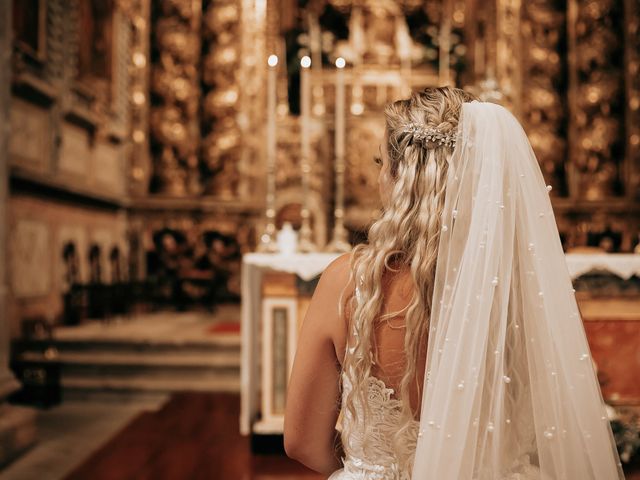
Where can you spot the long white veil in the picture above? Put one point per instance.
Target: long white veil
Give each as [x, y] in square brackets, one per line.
[510, 390]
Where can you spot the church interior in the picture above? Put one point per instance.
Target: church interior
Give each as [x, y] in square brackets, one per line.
[175, 175]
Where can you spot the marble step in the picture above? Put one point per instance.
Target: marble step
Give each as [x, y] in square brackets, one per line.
[116, 374]
[219, 343]
[150, 359]
[190, 375]
[143, 356]
[144, 384]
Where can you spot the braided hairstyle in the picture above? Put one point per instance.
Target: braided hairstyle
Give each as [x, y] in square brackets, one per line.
[420, 130]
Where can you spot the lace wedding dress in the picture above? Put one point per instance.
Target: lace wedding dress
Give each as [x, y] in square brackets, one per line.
[375, 459]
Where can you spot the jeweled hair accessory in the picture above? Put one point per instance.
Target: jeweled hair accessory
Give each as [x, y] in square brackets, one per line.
[431, 137]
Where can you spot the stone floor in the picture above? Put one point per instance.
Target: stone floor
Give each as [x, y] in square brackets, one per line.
[70, 432]
[144, 346]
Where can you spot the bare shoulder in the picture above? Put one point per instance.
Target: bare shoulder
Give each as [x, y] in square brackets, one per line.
[338, 269]
[335, 280]
[332, 287]
[333, 291]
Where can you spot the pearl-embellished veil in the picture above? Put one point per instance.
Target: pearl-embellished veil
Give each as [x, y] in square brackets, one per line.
[510, 390]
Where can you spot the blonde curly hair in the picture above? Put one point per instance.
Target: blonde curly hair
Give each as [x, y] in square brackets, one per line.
[405, 236]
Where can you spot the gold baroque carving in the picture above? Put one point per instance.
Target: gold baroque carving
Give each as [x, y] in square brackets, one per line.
[543, 105]
[598, 98]
[508, 51]
[221, 146]
[632, 46]
[175, 81]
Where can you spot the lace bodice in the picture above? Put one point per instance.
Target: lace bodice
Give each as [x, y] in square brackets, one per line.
[369, 447]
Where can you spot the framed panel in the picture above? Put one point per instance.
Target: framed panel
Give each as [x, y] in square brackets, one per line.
[279, 340]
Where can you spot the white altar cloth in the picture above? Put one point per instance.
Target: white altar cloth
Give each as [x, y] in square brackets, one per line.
[624, 265]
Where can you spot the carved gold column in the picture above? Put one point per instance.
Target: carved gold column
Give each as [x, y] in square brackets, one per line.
[543, 89]
[632, 81]
[220, 77]
[175, 83]
[596, 98]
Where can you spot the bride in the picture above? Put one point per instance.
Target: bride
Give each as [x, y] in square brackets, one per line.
[451, 343]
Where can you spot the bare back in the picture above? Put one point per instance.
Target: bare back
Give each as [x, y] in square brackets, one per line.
[389, 337]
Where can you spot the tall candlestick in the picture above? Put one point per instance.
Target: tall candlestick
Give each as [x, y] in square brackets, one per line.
[306, 243]
[267, 240]
[340, 108]
[339, 241]
[445, 44]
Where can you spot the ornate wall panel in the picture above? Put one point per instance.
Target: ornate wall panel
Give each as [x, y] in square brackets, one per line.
[30, 141]
[75, 154]
[31, 257]
[58, 25]
[123, 23]
[108, 166]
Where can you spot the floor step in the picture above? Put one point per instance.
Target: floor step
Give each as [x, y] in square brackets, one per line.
[151, 354]
[221, 342]
[148, 359]
[153, 385]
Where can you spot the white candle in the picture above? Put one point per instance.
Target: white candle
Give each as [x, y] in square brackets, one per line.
[339, 108]
[306, 243]
[305, 108]
[267, 240]
[271, 110]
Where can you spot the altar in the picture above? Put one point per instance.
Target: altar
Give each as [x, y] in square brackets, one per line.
[276, 289]
[276, 316]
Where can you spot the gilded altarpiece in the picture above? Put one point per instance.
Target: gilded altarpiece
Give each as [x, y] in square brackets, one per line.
[569, 69]
[206, 102]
